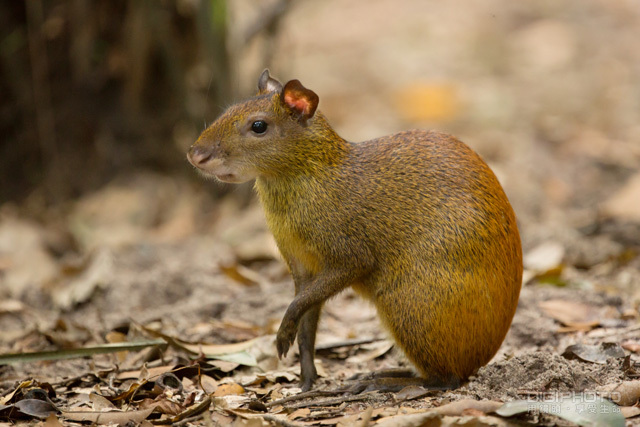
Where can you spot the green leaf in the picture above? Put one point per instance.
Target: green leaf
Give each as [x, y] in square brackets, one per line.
[582, 409]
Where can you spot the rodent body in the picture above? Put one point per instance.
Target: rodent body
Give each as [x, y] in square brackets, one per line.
[415, 222]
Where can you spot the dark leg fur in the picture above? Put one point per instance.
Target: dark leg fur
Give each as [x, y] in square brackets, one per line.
[306, 344]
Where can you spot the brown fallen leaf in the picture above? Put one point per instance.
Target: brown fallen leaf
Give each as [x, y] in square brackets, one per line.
[162, 405]
[473, 412]
[626, 393]
[223, 365]
[240, 273]
[228, 389]
[412, 392]
[632, 346]
[114, 417]
[629, 411]
[231, 401]
[22, 386]
[11, 306]
[36, 408]
[457, 408]
[52, 421]
[594, 353]
[100, 403]
[299, 413]
[572, 314]
[208, 384]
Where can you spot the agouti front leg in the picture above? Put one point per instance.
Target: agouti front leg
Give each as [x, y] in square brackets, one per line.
[322, 287]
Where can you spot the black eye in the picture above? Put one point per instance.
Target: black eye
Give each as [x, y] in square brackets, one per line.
[259, 126]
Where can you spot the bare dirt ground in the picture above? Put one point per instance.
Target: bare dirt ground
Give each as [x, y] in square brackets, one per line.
[548, 94]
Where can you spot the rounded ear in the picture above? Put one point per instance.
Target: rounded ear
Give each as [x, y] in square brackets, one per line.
[267, 84]
[300, 100]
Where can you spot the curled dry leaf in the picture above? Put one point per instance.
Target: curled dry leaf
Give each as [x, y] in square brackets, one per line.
[632, 346]
[167, 383]
[100, 403]
[594, 353]
[36, 407]
[163, 405]
[22, 386]
[626, 393]
[208, 384]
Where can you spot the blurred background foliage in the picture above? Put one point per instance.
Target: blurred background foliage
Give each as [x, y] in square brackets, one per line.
[93, 88]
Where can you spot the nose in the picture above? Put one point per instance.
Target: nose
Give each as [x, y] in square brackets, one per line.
[199, 155]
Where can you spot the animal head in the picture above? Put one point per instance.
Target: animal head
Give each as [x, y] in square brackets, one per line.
[259, 136]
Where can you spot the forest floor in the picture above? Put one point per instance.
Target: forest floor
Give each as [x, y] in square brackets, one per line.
[152, 301]
[163, 262]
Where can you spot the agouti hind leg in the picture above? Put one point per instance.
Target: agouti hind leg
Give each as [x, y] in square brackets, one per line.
[307, 345]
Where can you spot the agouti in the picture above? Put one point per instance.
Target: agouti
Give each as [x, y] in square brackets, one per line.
[415, 222]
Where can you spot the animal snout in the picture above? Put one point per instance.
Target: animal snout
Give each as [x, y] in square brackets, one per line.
[198, 155]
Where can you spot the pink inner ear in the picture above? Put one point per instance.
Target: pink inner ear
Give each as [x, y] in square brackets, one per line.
[299, 104]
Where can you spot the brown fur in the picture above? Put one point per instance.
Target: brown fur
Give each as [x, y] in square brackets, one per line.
[416, 222]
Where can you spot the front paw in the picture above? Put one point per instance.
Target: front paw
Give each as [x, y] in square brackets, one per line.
[285, 337]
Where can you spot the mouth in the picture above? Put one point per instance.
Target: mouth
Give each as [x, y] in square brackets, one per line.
[223, 176]
[221, 173]
[228, 177]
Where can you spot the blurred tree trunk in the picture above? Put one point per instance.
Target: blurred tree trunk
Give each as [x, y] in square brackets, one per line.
[94, 88]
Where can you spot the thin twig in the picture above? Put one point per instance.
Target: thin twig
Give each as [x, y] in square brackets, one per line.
[335, 401]
[347, 343]
[304, 395]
